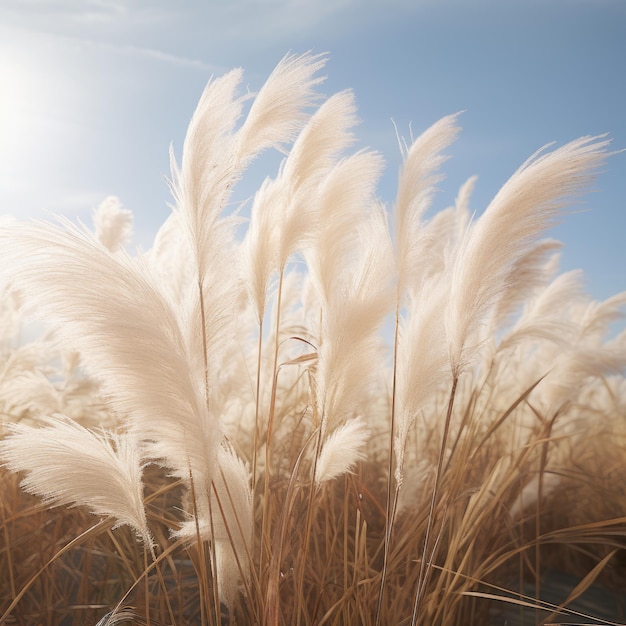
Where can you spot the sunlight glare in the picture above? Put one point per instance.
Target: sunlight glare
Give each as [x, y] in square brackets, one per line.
[17, 125]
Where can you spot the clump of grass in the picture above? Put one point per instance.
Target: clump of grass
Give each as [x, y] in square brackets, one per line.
[242, 448]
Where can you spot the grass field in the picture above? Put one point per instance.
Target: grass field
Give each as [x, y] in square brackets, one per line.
[352, 414]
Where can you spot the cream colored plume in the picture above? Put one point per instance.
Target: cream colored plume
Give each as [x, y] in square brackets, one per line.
[416, 187]
[442, 234]
[525, 206]
[278, 111]
[423, 366]
[283, 213]
[354, 301]
[201, 186]
[215, 154]
[589, 354]
[351, 318]
[343, 448]
[421, 358]
[109, 308]
[113, 223]
[528, 274]
[546, 315]
[345, 198]
[225, 518]
[67, 464]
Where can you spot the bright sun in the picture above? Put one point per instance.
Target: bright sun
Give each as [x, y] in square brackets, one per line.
[33, 128]
[15, 112]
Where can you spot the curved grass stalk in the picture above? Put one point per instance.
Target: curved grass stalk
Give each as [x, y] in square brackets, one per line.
[74, 542]
[257, 405]
[106, 620]
[271, 609]
[309, 521]
[390, 510]
[205, 355]
[270, 425]
[425, 569]
[232, 542]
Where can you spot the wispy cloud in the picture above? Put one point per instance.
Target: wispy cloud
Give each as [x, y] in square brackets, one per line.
[166, 57]
[169, 32]
[22, 34]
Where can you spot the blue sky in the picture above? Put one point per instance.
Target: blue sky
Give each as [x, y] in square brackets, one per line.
[92, 93]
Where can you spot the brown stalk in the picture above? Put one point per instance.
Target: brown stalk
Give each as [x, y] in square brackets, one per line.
[424, 572]
[264, 538]
[74, 542]
[308, 522]
[389, 509]
[272, 598]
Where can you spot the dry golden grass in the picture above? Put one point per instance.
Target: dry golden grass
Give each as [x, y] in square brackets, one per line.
[479, 548]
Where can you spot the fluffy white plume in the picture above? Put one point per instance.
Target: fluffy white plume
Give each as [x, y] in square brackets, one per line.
[214, 155]
[277, 113]
[229, 516]
[423, 362]
[352, 314]
[546, 315]
[109, 308]
[201, 186]
[283, 210]
[170, 258]
[113, 223]
[529, 273]
[259, 248]
[525, 206]
[343, 448]
[588, 355]
[312, 157]
[345, 198]
[597, 316]
[67, 464]
[415, 190]
[462, 202]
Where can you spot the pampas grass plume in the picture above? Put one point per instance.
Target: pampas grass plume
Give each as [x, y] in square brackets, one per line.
[343, 448]
[523, 208]
[108, 306]
[113, 223]
[68, 465]
[416, 187]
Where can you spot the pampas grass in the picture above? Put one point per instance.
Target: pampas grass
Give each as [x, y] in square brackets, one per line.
[66, 464]
[219, 430]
